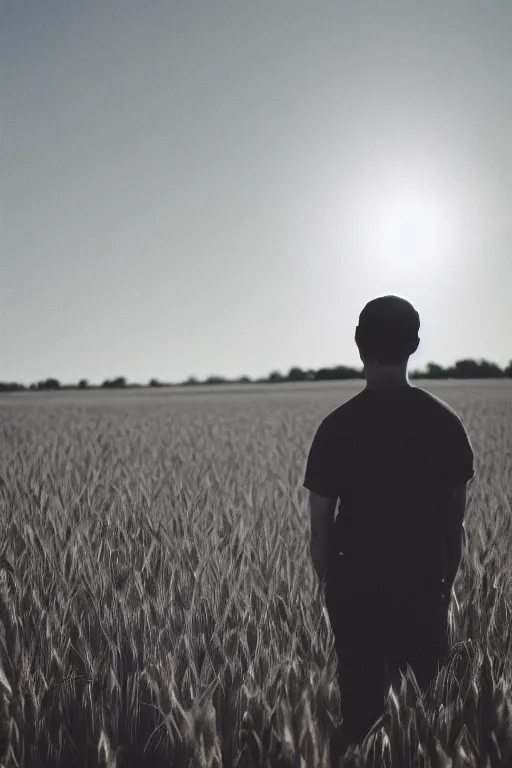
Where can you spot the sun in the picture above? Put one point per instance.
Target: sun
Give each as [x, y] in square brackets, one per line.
[402, 223]
[409, 227]
[395, 219]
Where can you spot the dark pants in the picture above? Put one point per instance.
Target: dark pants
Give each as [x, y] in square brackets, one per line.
[376, 635]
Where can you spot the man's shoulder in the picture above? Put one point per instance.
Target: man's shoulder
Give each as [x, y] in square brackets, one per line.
[358, 408]
[436, 405]
[344, 413]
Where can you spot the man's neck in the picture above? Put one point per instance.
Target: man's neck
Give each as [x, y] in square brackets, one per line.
[388, 387]
[384, 377]
[383, 384]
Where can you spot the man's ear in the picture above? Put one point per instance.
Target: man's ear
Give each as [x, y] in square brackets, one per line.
[415, 346]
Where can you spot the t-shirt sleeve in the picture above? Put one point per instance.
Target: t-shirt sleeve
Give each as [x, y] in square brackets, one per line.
[458, 465]
[322, 467]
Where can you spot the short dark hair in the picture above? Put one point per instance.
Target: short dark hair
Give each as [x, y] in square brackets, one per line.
[388, 330]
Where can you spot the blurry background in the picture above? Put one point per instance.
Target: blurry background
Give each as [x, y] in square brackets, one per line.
[197, 188]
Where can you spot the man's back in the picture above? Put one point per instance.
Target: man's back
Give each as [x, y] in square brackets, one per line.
[392, 457]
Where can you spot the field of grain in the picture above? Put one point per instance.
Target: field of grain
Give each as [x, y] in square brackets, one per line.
[158, 605]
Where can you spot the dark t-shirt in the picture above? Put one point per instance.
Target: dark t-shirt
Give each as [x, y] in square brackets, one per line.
[390, 457]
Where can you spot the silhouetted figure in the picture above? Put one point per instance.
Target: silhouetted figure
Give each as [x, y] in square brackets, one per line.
[395, 459]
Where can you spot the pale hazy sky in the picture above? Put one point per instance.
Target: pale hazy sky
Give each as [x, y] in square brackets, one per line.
[219, 187]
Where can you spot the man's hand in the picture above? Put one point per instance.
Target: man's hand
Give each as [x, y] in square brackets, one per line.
[322, 511]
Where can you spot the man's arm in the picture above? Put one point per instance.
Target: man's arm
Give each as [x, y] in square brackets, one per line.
[455, 534]
[322, 510]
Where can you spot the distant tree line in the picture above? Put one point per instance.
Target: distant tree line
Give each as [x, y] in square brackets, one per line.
[463, 369]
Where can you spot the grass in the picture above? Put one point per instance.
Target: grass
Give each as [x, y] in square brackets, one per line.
[157, 600]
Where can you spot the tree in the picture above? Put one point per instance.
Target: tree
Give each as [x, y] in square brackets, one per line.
[435, 371]
[323, 374]
[118, 383]
[49, 384]
[275, 376]
[154, 383]
[343, 372]
[296, 374]
[464, 369]
[508, 370]
[83, 384]
[471, 369]
[488, 370]
[11, 386]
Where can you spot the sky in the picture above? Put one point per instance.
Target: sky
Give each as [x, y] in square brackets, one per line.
[218, 188]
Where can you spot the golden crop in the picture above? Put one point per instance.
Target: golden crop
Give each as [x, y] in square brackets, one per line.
[158, 604]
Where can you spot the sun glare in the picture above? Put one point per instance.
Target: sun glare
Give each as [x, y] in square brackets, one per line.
[404, 224]
[408, 227]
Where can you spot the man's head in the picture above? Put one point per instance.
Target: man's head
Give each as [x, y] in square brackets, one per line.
[387, 333]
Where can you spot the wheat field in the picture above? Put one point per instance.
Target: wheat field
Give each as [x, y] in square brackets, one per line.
[158, 605]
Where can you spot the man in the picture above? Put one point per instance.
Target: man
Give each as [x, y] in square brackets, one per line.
[396, 460]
